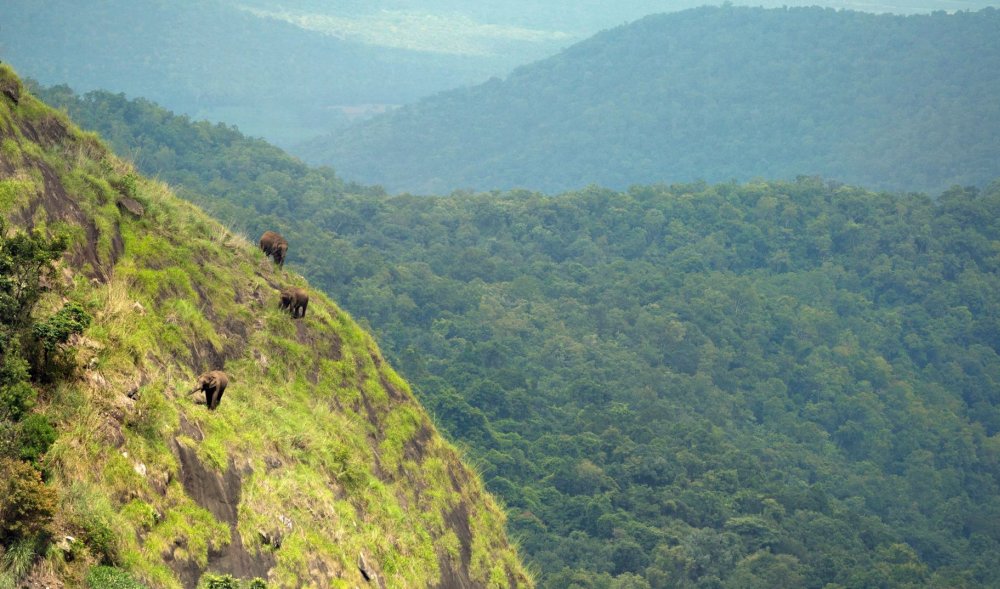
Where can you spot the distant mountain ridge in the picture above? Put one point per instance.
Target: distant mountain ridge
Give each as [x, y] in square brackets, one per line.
[715, 94]
[210, 59]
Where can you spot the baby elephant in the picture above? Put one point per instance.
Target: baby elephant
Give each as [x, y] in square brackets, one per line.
[295, 299]
[214, 383]
[274, 245]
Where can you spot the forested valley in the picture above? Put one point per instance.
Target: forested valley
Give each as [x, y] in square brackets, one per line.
[761, 384]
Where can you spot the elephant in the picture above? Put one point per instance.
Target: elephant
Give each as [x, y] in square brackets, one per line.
[274, 245]
[295, 299]
[214, 383]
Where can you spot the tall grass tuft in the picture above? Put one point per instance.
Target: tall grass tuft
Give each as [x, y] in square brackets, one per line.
[16, 562]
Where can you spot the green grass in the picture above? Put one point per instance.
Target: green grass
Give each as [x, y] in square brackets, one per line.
[15, 193]
[105, 577]
[306, 416]
[10, 150]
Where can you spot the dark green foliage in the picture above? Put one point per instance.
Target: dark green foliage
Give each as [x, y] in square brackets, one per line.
[99, 537]
[26, 503]
[702, 385]
[15, 400]
[719, 93]
[24, 259]
[210, 581]
[125, 184]
[55, 331]
[105, 577]
[36, 435]
[51, 334]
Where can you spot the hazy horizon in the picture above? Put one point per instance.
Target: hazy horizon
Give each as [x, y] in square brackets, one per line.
[459, 27]
[233, 61]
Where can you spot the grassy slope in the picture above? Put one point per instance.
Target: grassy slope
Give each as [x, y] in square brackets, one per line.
[331, 449]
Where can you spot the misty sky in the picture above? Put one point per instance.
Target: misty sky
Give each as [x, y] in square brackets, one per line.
[478, 28]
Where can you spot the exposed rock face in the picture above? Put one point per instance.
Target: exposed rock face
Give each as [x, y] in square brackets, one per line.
[132, 206]
[219, 493]
[11, 89]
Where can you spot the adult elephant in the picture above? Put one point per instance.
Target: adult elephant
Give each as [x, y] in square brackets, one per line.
[274, 245]
[296, 300]
[213, 383]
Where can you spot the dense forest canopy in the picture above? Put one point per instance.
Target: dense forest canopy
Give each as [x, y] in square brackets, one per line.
[713, 94]
[764, 384]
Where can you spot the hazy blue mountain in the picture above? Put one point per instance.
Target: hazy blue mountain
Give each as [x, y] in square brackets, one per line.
[577, 18]
[293, 70]
[715, 94]
[211, 59]
[290, 71]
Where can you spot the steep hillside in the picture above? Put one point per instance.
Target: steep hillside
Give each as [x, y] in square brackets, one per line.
[318, 469]
[713, 94]
[770, 384]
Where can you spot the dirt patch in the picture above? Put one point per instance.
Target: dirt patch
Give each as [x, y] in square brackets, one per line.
[220, 495]
[458, 520]
[235, 338]
[41, 578]
[511, 579]
[187, 571]
[7, 167]
[415, 448]
[51, 131]
[204, 356]
[205, 302]
[451, 578]
[394, 393]
[11, 89]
